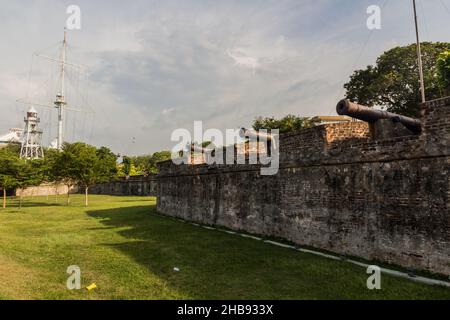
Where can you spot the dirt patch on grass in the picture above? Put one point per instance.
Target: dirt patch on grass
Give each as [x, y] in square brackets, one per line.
[16, 280]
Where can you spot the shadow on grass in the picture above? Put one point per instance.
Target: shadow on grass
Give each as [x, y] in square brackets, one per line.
[15, 205]
[216, 265]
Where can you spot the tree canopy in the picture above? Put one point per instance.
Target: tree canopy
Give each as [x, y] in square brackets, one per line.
[289, 123]
[76, 164]
[443, 71]
[143, 165]
[18, 173]
[9, 170]
[86, 165]
[393, 82]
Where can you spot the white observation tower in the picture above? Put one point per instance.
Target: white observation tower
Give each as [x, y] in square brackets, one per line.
[32, 137]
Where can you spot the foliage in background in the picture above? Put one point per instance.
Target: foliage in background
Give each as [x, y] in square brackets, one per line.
[60, 167]
[394, 81]
[125, 166]
[17, 173]
[142, 165]
[86, 165]
[77, 164]
[105, 168]
[31, 173]
[290, 123]
[443, 71]
[9, 170]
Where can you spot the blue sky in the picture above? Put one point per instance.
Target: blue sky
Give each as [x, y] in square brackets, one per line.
[156, 66]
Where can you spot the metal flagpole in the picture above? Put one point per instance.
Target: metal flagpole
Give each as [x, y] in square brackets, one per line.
[60, 99]
[419, 55]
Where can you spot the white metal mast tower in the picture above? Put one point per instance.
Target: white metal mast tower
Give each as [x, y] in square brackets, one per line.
[32, 137]
[60, 102]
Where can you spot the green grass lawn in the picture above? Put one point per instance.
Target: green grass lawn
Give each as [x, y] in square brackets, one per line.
[129, 251]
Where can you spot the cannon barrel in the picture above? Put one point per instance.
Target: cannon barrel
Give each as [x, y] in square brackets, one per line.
[196, 148]
[253, 134]
[347, 108]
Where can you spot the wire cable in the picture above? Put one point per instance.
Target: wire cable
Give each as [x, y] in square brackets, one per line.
[445, 6]
[427, 30]
[363, 48]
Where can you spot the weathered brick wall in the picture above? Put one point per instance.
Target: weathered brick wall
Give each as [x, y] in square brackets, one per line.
[45, 189]
[337, 190]
[436, 131]
[354, 131]
[313, 143]
[133, 186]
[436, 115]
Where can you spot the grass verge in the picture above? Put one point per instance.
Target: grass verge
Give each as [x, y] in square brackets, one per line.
[130, 252]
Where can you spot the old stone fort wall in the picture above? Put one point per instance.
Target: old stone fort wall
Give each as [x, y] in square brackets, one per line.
[131, 186]
[339, 188]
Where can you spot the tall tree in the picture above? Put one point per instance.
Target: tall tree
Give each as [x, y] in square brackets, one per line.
[394, 81]
[52, 167]
[64, 166]
[126, 165]
[106, 165]
[9, 171]
[87, 165]
[30, 173]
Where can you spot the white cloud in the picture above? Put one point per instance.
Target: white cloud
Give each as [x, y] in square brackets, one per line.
[242, 60]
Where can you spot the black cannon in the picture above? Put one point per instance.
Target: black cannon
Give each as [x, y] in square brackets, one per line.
[253, 134]
[199, 149]
[347, 108]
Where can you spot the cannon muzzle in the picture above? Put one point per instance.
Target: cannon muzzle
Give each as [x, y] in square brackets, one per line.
[196, 148]
[253, 134]
[347, 108]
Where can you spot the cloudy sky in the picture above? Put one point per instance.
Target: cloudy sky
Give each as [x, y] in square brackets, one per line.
[155, 66]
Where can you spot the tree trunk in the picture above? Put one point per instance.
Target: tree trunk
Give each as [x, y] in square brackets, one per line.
[68, 195]
[86, 196]
[4, 198]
